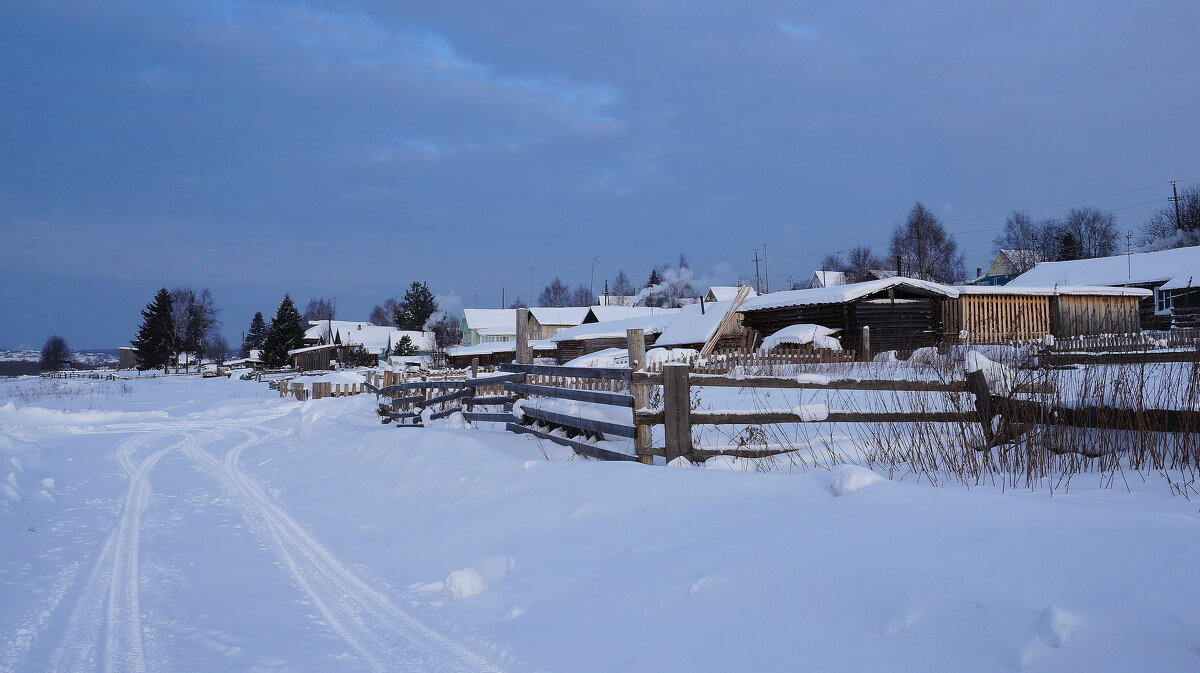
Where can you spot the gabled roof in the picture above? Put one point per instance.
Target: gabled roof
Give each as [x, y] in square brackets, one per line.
[691, 326]
[827, 279]
[606, 313]
[484, 318]
[725, 292]
[566, 315]
[653, 323]
[1176, 269]
[844, 293]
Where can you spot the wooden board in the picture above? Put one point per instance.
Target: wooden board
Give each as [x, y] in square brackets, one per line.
[610, 373]
[588, 424]
[466, 392]
[722, 381]
[579, 447]
[593, 396]
[765, 417]
[481, 417]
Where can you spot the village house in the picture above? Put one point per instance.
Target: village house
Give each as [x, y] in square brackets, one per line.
[596, 336]
[488, 325]
[1173, 277]
[549, 320]
[1008, 265]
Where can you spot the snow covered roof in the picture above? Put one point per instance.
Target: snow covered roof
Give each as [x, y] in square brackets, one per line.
[566, 315]
[843, 293]
[693, 327]
[653, 323]
[725, 292]
[605, 313]
[511, 330]
[499, 347]
[1102, 290]
[484, 318]
[827, 279]
[1176, 269]
[374, 338]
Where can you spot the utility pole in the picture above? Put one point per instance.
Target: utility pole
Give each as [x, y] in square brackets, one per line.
[766, 269]
[757, 283]
[1129, 254]
[1175, 198]
[502, 296]
[592, 282]
[530, 302]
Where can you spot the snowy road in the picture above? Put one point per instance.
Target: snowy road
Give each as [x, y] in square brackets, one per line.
[102, 623]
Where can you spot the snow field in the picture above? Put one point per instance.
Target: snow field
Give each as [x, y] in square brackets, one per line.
[277, 535]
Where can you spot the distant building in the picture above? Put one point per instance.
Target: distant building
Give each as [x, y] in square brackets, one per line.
[1008, 265]
[1172, 275]
[127, 357]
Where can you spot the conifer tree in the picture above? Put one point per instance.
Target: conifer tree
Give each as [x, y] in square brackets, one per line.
[253, 340]
[157, 334]
[405, 346]
[415, 307]
[283, 335]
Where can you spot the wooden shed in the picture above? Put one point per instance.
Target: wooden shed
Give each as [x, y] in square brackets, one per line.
[1001, 314]
[127, 357]
[903, 313]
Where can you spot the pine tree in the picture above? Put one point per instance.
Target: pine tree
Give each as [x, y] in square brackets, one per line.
[652, 298]
[283, 335]
[157, 334]
[405, 346]
[1069, 248]
[253, 340]
[415, 307]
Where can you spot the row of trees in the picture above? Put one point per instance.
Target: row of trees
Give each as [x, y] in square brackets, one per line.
[176, 322]
[922, 248]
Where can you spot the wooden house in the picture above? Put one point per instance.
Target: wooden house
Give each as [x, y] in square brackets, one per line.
[903, 313]
[597, 336]
[708, 326]
[1172, 276]
[550, 320]
[495, 353]
[488, 325]
[1007, 265]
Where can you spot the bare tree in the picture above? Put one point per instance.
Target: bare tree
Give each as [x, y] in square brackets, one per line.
[218, 347]
[582, 296]
[1094, 229]
[320, 309]
[56, 355]
[925, 248]
[1037, 241]
[555, 294]
[859, 264]
[1171, 228]
[380, 316]
[832, 263]
[621, 286]
[193, 316]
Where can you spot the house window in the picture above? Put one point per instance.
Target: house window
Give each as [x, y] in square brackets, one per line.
[1162, 301]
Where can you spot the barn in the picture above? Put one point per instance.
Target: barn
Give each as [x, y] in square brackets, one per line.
[1001, 314]
[903, 313]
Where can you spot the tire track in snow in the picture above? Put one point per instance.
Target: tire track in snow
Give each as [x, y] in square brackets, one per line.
[109, 604]
[385, 636]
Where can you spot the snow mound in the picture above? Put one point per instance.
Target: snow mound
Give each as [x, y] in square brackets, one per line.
[1055, 626]
[464, 583]
[813, 379]
[850, 478]
[681, 462]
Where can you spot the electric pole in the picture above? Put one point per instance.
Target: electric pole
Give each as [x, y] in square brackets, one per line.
[502, 296]
[530, 302]
[757, 282]
[1175, 198]
[766, 269]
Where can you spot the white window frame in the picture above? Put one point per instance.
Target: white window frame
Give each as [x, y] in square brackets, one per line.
[1164, 300]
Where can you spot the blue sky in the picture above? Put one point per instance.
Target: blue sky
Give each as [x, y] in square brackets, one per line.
[346, 149]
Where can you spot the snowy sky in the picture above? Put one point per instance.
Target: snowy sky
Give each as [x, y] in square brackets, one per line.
[346, 148]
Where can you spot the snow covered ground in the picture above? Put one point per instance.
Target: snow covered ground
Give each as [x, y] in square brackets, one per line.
[188, 524]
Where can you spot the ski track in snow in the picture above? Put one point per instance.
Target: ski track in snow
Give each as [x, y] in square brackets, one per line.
[108, 610]
[385, 636]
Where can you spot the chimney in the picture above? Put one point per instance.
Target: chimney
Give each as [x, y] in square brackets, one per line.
[978, 272]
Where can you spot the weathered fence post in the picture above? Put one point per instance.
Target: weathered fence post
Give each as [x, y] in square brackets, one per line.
[524, 354]
[643, 433]
[866, 343]
[977, 384]
[677, 410]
